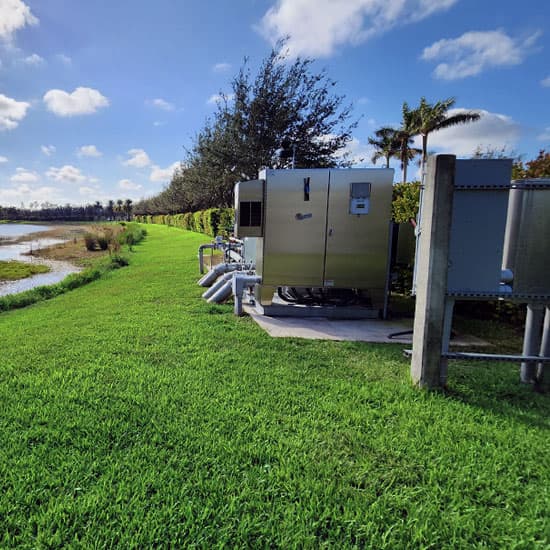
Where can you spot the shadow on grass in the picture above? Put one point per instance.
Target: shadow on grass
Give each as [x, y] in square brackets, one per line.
[496, 387]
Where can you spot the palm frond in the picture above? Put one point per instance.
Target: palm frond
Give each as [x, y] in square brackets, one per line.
[461, 118]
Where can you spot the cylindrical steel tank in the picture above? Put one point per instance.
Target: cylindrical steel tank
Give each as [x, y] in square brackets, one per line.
[527, 237]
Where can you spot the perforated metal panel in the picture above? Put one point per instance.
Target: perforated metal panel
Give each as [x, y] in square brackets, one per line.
[249, 203]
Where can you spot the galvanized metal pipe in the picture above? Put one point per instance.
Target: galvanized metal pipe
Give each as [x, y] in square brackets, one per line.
[544, 346]
[447, 330]
[216, 271]
[531, 342]
[202, 248]
[239, 283]
[222, 293]
[217, 285]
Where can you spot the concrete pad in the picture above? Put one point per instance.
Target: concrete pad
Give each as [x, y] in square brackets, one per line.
[357, 330]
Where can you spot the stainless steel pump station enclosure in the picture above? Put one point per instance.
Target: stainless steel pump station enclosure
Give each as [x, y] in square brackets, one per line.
[318, 228]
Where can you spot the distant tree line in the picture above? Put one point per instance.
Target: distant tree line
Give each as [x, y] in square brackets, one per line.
[111, 211]
[287, 115]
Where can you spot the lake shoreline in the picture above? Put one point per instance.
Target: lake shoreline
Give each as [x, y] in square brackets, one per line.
[33, 246]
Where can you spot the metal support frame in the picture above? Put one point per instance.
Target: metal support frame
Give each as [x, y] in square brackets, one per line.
[544, 346]
[501, 358]
[202, 248]
[447, 331]
[532, 341]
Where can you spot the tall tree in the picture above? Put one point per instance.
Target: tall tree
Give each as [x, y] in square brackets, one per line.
[286, 106]
[127, 208]
[405, 135]
[98, 207]
[110, 210]
[431, 117]
[386, 144]
[119, 208]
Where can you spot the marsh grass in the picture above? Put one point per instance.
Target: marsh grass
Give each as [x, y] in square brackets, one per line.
[135, 415]
[13, 270]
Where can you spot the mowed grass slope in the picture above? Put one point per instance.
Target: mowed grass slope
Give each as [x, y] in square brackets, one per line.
[133, 414]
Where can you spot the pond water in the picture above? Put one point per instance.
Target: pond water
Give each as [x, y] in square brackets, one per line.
[19, 251]
[13, 230]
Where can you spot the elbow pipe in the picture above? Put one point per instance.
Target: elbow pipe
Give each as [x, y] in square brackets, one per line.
[217, 285]
[222, 293]
[216, 271]
[240, 282]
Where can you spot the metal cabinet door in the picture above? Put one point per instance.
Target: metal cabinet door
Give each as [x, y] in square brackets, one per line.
[357, 245]
[295, 225]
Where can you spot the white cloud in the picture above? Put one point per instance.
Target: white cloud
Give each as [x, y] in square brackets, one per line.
[159, 174]
[65, 59]
[492, 130]
[11, 112]
[66, 174]
[221, 67]
[161, 104]
[22, 175]
[89, 151]
[14, 196]
[214, 99]
[34, 60]
[83, 101]
[3, 159]
[545, 82]
[48, 150]
[359, 154]
[158, 123]
[87, 191]
[475, 51]
[129, 185]
[138, 158]
[545, 136]
[318, 27]
[14, 15]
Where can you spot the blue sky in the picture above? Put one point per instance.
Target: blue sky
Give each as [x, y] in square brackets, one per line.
[99, 99]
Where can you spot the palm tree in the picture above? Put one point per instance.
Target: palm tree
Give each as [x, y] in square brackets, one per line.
[110, 209]
[386, 144]
[119, 208]
[432, 117]
[128, 208]
[405, 135]
[98, 207]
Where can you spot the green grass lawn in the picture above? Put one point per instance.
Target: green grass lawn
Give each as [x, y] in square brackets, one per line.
[13, 270]
[134, 414]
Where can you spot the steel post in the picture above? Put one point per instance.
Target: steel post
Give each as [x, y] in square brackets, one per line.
[531, 341]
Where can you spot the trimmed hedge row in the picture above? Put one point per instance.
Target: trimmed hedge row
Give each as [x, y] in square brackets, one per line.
[219, 221]
[214, 221]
